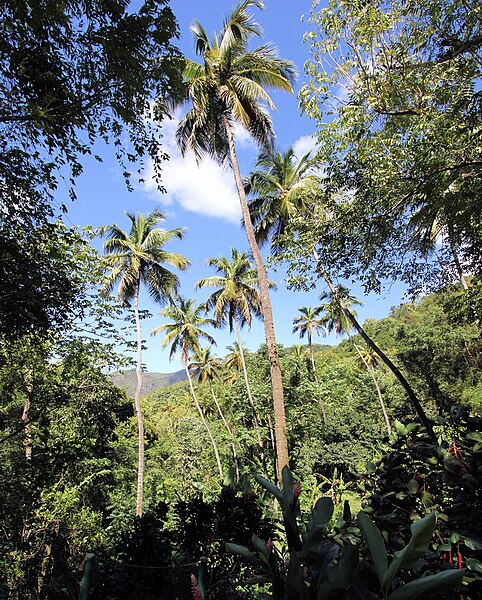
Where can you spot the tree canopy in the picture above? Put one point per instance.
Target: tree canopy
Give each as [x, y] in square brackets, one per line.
[72, 73]
[394, 89]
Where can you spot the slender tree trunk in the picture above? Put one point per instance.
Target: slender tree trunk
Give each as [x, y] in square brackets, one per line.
[28, 439]
[320, 400]
[276, 379]
[463, 281]
[205, 423]
[371, 370]
[228, 429]
[406, 386]
[250, 395]
[312, 354]
[137, 398]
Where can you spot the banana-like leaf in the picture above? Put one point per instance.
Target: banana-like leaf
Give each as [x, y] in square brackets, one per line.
[288, 488]
[269, 486]
[241, 551]
[340, 577]
[431, 583]
[417, 547]
[296, 588]
[260, 545]
[85, 584]
[320, 517]
[375, 544]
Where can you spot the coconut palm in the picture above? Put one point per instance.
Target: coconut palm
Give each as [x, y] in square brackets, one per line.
[307, 324]
[341, 315]
[280, 187]
[370, 360]
[183, 333]
[234, 302]
[335, 318]
[272, 222]
[207, 367]
[134, 258]
[229, 87]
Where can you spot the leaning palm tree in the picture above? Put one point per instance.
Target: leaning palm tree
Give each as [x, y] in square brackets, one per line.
[235, 302]
[281, 186]
[134, 258]
[268, 195]
[341, 314]
[183, 333]
[207, 367]
[229, 87]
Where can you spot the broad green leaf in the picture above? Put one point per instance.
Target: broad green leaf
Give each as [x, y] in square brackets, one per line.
[413, 486]
[288, 486]
[340, 577]
[320, 517]
[260, 545]
[422, 531]
[474, 565]
[472, 544]
[375, 544]
[431, 583]
[270, 487]
[240, 550]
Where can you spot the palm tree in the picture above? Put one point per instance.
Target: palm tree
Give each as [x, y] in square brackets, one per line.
[134, 258]
[335, 319]
[281, 187]
[230, 87]
[341, 313]
[207, 367]
[270, 220]
[307, 323]
[234, 302]
[370, 360]
[183, 333]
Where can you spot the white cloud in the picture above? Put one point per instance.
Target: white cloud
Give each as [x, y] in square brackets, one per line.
[303, 145]
[206, 189]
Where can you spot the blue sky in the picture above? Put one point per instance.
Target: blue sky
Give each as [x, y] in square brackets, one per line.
[203, 199]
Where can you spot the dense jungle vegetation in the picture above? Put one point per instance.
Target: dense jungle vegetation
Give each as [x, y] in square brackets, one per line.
[309, 472]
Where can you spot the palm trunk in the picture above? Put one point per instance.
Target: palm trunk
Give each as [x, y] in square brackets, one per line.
[137, 398]
[312, 354]
[250, 396]
[205, 423]
[228, 429]
[375, 381]
[276, 379]
[28, 438]
[320, 400]
[404, 383]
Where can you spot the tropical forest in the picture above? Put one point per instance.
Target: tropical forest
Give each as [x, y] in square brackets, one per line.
[232, 366]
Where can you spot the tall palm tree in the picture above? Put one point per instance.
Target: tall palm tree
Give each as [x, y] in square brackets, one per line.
[207, 367]
[370, 360]
[340, 312]
[183, 333]
[230, 87]
[134, 258]
[308, 323]
[335, 319]
[271, 220]
[280, 187]
[234, 302]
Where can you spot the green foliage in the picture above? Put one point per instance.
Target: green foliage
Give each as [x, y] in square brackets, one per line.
[393, 89]
[417, 478]
[318, 568]
[73, 73]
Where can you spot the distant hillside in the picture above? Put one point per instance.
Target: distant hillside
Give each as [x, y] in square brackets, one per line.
[126, 380]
